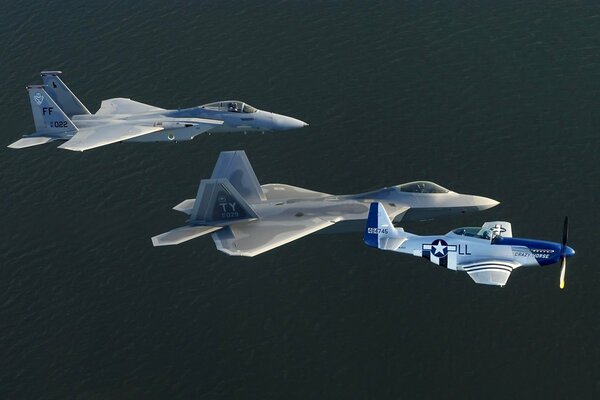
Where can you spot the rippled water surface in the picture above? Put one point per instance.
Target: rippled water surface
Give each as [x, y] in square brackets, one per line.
[499, 99]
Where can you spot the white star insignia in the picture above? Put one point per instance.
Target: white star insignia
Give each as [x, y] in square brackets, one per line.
[439, 248]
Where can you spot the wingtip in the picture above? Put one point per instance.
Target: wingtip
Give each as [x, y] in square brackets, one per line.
[158, 242]
[50, 72]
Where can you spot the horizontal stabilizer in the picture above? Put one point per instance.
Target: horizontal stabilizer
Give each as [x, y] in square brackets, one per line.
[185, 206]
[30, 141]
[125, 106]
[183, 234]
[391, 243]
[89, 138]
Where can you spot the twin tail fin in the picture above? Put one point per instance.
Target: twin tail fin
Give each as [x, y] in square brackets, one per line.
[62, 95]
[217, 204]
[51, 123]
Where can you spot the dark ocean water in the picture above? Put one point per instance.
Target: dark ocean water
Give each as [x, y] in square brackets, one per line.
[499, 99]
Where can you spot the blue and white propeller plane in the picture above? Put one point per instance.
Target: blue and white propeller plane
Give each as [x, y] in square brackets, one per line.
[488, 254]
[60, 116]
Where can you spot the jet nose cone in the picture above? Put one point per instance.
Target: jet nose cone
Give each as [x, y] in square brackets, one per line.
[483, 203]
[284, 123]
[569, 252]
[298, 123]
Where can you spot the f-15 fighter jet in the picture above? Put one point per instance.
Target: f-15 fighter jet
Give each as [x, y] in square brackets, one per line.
[59, 115]
[247, 219]
[488, 254]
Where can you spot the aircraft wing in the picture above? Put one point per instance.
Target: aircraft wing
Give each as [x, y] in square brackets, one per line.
[89, 138]
[125, 106]
[279, 191]
[490, 272]
[252, 238]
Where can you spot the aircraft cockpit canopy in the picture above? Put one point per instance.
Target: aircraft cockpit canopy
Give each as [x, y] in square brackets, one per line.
[230, 106]
[473, 231]
[422, 187]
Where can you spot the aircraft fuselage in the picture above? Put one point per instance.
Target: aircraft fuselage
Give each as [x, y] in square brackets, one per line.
[455, 251]
[350, 211]
[176, 128]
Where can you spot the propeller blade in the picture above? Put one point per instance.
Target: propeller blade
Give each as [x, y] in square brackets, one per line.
[565, 232]
[563, 270]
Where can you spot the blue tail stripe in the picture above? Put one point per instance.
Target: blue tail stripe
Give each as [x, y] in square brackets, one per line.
[371, 239]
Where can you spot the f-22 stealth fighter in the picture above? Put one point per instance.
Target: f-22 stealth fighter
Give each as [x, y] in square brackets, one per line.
[59, 115]
[247, 219]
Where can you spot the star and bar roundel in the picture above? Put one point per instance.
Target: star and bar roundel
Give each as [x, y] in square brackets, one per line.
[437, 252]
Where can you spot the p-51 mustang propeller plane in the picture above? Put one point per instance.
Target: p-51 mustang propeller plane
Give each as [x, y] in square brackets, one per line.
[247, 219]
[488, 254]
[59, 115]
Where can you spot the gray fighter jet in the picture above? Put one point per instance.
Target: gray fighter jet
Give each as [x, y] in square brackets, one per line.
[247, 219]
[59, 115]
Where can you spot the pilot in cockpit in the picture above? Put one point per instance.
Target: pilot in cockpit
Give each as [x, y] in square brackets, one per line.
[233, 107]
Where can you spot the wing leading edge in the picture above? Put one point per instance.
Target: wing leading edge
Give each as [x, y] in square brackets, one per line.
[125, 106]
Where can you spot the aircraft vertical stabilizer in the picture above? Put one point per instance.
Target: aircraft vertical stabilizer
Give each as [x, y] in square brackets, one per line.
[235, 167]
[380, 231]
[219, 203]
[47, 115]
[50, 121]
[62, 95]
